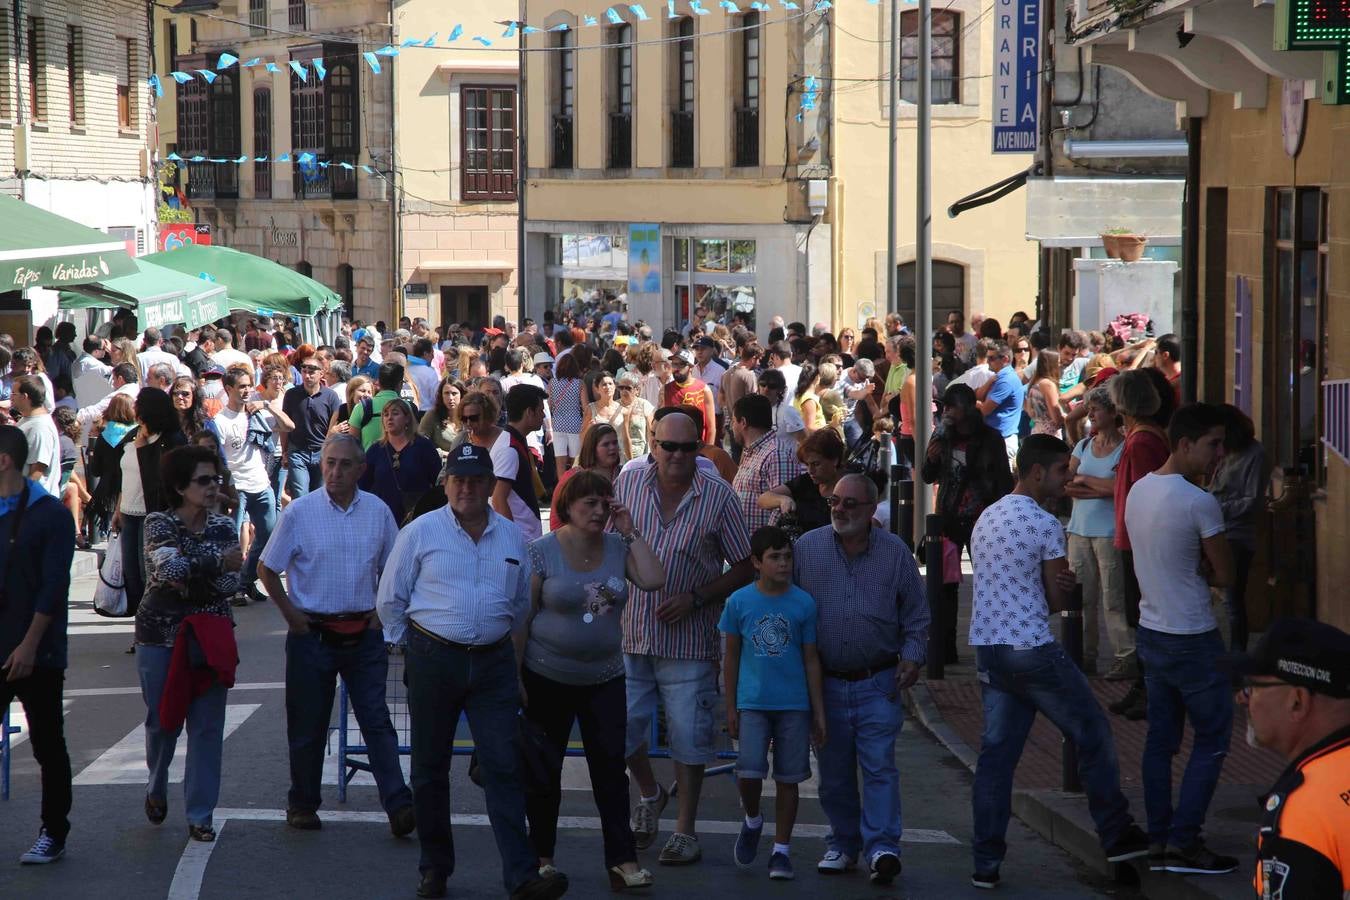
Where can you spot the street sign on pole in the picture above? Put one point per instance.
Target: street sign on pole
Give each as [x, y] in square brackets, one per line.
[1017, 80]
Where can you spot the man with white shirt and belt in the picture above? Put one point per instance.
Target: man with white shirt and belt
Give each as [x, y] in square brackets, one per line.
[153, 354]
[332, 544]
[456, 587]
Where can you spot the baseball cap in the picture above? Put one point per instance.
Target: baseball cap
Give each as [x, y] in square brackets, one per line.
[210, 370]
[543, 359]
[493, 332]
[683, 356]
[706, 341]
[468, 460]
[1299, 651]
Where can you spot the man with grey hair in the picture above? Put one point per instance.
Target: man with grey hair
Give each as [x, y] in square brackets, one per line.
[855, 384]
[160, 375]
[333, 545]
[872, 635]
[152, 354]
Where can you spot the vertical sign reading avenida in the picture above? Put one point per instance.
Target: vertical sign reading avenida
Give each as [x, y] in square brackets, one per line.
[1017, 80]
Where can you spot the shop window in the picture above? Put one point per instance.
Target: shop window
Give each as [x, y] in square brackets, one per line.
[682, 65]
[208, 127]
[325, 117]
[949, 291]
[262, 142]
[747, 107]
[126, 66]
[621, 98]
[718, 273]
[946, 69]
[488, 143]
[75, 74]
[1297, 325]
[37, 60]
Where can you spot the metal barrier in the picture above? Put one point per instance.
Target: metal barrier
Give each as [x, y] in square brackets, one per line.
[350, 747]
[6, 730]
[932, 550]
[902, 506]
[1071, 638]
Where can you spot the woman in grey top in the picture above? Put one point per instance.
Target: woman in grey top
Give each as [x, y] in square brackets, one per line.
[573, 669]
[1239, 484]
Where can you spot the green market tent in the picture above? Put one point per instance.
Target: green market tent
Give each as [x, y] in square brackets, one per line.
[159, 296]
[42, 249]
[255, 284]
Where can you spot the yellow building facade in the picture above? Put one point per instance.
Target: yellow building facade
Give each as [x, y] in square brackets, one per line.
[767, 189]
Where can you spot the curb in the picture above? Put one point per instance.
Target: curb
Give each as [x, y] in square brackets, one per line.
[1063, 820]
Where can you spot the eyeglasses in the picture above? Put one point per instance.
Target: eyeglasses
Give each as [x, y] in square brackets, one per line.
[1249, 686]
[182, 393]
[205, 480]
[848, 503]
[625, 387]
[678, 446]
[471, 419]
[1023, 349]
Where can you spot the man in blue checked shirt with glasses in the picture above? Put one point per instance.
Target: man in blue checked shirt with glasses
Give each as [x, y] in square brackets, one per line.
[872, 635]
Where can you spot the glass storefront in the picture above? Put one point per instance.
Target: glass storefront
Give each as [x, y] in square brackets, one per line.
[716, 273]
[585, 271]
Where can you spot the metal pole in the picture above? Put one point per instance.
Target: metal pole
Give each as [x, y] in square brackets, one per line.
[902, 510]
[923, 274]
[893, 163]
[1071, 637]
[932, 555]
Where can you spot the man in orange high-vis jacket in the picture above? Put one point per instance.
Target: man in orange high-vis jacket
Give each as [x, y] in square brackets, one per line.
[1296, 687]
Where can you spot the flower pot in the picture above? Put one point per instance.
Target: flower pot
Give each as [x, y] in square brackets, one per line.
[1131, 246]
[1111, 245]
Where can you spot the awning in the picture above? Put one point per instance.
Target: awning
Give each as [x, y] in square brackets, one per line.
[159, 296]
[42, 249]
[254, 284]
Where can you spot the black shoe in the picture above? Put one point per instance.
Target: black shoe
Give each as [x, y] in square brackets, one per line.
[403, 821]
[156, 810]
[545, 887]
[1197, 859]
[303, 820]
[432, 884]
[254, 594]
[1131, 844]
[204, 833]
[1138, 709]
[986, 881]
[885, 866]
[1134, 695]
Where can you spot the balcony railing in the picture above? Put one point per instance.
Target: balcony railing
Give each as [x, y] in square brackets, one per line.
[212, 181]
[681, 139]
[321, 183]
[620, 140]
[747, 137]
[562, 142]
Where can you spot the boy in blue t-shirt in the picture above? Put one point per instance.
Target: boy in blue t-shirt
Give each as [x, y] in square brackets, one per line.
[773, 683]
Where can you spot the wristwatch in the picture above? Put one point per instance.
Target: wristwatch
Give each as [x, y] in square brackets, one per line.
[630, 537]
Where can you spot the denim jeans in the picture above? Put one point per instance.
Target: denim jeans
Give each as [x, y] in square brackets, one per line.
[444, 681]
[312, 668]
[206, 738]
[40, 693]
[1015, 685]
[862, 720]
[1184, 681]
[132, 539]
[261, 509]
[306, 472]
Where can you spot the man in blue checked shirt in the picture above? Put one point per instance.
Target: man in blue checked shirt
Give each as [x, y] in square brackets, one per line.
[871, 634]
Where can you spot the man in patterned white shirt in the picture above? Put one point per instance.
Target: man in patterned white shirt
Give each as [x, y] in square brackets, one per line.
[1021, 576]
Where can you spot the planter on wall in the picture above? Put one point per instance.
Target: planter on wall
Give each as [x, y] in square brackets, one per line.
[1111, 244]
[1131, 246]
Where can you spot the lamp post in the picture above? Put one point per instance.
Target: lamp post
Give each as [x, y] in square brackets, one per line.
[923, 263]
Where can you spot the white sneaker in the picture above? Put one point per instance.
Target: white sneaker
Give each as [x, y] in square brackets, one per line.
[835, 862]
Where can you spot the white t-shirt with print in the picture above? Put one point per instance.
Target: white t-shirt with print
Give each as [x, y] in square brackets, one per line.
[1167, 517]
[1010, 541]
[506, 466]
[248, 467]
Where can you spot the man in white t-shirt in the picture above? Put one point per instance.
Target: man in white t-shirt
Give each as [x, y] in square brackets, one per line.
[517, 358]
[247, 461]
[1176, 532]
[226, 356]
[978, 375]
[515, 482]
[37, 425]
[1021, 576]
[153, 354]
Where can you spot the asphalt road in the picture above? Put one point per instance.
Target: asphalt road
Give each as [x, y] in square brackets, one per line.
[113, 852]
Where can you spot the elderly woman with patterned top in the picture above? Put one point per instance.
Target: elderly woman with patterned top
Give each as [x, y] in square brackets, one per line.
[192, 560]
[574, 669]
[402, 465]
[802, 503]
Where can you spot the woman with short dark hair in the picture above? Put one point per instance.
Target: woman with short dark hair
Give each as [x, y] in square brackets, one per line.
[801, 502]
[192, 570]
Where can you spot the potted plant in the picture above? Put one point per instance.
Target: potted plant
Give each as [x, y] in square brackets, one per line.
[1109, 242]
[1131, 246]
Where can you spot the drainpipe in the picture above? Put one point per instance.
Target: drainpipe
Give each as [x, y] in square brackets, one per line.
[522, 171]
[395, 225]
[21, 104]
[1190, 269]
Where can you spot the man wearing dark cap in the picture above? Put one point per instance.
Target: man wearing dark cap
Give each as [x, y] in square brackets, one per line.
[1296, 687]
[709, 368]
[684, 389]
[456, 588]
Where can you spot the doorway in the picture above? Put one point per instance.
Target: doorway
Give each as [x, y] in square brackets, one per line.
[464, 303]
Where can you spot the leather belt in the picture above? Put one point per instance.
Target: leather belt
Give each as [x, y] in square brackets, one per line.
[338, 617]
[860, 674]
[467, 648]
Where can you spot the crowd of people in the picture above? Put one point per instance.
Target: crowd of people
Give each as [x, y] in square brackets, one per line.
[589, 523]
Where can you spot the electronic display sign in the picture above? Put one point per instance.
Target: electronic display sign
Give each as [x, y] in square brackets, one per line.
[1319, 25]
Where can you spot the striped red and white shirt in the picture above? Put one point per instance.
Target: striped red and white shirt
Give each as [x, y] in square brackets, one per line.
[707, 530]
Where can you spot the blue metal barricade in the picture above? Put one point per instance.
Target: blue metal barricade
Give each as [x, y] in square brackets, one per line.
[352, 752]
[6, 730]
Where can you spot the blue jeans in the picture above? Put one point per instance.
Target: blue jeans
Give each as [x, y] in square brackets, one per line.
[1015, 685]
[1184, 681]
[862, 720]
[261, 509]
[443, 682]
[132, 539]
[206, 738]
[312, 668]
[306, 473]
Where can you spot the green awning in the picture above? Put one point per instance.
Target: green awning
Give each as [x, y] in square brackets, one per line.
[42, 249]
[255, 284]
[159, 296]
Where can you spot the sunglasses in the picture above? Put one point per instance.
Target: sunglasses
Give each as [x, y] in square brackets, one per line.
[625, 387]
[1022, 349]
[473, 418]
[182, 393]
[848, 503]
[310, 369]
[205, 480]
[678, 446]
